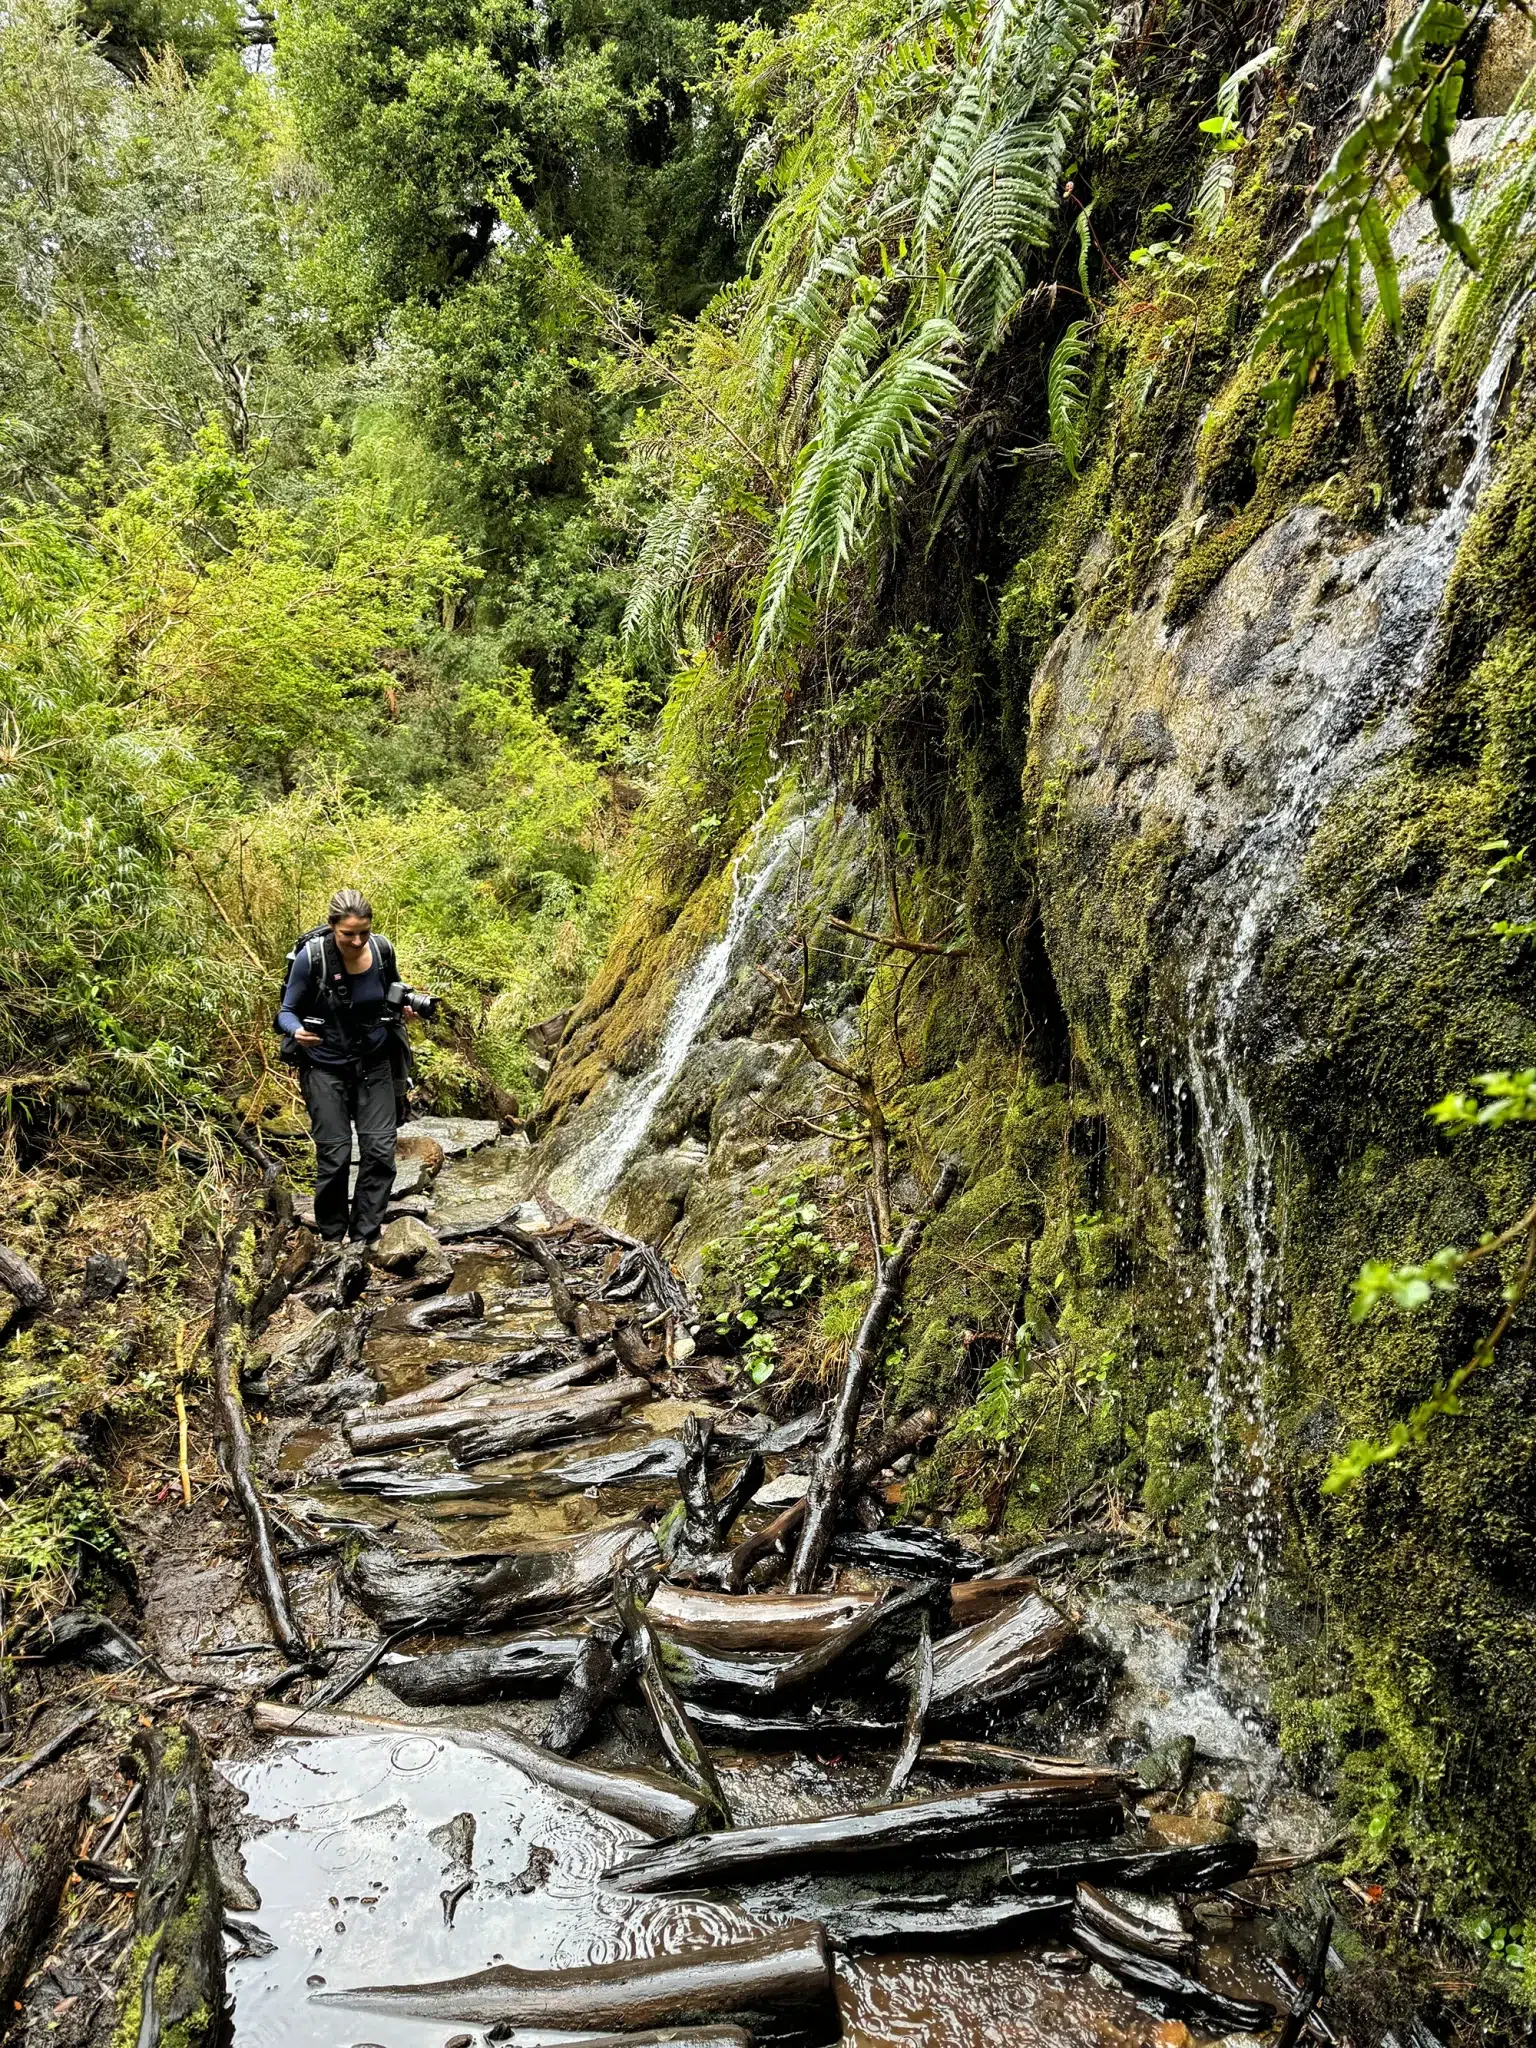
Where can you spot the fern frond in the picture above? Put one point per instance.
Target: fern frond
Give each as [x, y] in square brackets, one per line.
[1408, 116]
[846, 478]
[1066, 392]
[1215, 192]
[674, 541]
[753, 172]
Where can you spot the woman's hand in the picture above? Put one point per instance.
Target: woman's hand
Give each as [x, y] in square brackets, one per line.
[308, 1038]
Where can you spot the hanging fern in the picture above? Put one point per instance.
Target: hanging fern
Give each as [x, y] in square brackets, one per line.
[1314, 295]
[918, 182]
[1225, 124]
[1066, 391]
[867, 449]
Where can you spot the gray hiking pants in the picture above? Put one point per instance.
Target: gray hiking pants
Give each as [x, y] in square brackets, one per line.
[339, 1100]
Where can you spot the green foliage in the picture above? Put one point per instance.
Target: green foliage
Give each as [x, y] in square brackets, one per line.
[1225, 125]
[915, 164]
[438, 123]
[1067, 391]
[1314, 305]
[769, 1271]
[1505, 1098]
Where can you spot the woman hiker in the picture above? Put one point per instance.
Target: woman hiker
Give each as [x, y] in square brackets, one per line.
[343, 1015]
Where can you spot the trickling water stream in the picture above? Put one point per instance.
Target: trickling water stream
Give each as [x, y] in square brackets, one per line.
[1341, 738]
[584, 1181]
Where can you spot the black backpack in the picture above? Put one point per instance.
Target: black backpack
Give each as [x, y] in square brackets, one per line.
[312, 945]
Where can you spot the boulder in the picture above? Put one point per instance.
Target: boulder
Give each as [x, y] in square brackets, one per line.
[402, 1246]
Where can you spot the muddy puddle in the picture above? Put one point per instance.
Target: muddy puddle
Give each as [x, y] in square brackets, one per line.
[390, 1859]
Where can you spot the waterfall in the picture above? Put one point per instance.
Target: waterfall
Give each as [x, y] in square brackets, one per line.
[1345, 735]
[593, 1172]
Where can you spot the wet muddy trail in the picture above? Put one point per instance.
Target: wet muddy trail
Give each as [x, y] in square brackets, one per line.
[951, 1796]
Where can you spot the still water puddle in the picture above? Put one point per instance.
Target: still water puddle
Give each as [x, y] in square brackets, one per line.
[400, 1859]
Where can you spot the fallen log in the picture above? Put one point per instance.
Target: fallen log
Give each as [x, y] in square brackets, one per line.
[227, 1349]
[39, 1830]
[23, 1283]
[1304, 2004]
[54, 1746]
[996, 1660]
[921, 1829]
[92, 1639]
[657, 1805]
[895, 1443]
[426, 1422]
[730, 1503]
[446, 1308]
[1164, 1985]
[894, 1617]
[667, 2037]
[778, 1986]
[480, 1593]
[1211, 1867]
[917, 1711]
[831, 1476]
[505, 1671]
[723, 1622]
[1156, 1928]
[998, 1760]
[981, 1597]
[701, 1523]
[904, 1551]
[661, 1458]
[812, 1727]
[507, 1430]
[173, 1991]
[595, 1677]
[867, 1926]
[375, 1475]
[679, 1738]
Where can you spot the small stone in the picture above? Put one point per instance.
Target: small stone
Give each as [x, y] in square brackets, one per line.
[401, 1246]
[456, 1134]
[1184, 1831]
[1225, 1808]
[422, 1150]
[459, 2041]
[782, 1492]
[105, 1277]
[1172, 2034]
[1167, 1766]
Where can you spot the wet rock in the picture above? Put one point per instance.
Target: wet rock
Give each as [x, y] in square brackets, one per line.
[402, 1246]
[1224, 1808]
[415, 1147]
[410, 1178]
[780, 1492]
[1166, 1768]
[1184, 1831]
[455, 1134]
[309, 1352]
[105, 1277]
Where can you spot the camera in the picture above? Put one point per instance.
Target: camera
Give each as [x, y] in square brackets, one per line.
[401, 997]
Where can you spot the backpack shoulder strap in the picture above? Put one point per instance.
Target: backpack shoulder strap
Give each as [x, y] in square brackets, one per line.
[384, 957]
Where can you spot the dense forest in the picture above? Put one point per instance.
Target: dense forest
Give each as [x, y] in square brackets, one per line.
[489, 452]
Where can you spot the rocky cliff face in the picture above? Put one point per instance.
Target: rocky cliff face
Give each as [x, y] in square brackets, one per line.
[1242, 798]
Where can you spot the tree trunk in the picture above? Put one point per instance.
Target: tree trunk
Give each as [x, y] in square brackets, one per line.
[39, 1830]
